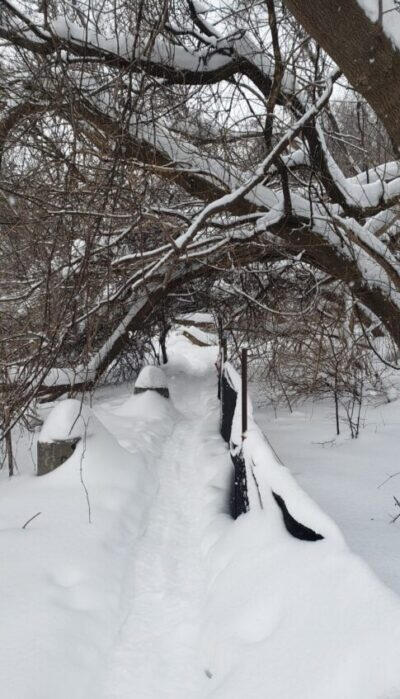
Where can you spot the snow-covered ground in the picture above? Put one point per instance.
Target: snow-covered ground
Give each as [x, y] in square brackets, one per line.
[354, 481]
[161, 594]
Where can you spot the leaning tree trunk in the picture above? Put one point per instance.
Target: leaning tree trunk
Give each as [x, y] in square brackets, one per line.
[361, 49]
[325, 257]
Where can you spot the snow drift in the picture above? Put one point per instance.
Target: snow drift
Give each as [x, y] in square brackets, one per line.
[163, 594]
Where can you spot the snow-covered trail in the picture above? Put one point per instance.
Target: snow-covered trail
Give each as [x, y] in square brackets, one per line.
[157, 652]
[223, 609]
[162, 595]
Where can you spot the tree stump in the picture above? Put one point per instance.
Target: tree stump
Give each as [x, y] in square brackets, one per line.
[50, 455]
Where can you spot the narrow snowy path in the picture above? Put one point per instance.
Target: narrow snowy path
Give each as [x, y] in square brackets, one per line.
[162, 595]
[212, 607]
[157, 652]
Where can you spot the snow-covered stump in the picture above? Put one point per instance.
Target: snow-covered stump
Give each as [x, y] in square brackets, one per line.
[50, 455]
[64, 427]
[152, 378]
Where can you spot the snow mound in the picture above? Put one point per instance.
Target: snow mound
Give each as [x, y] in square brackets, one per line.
[130, 578]
[291, 618]
[69, 419]
[148, 406]
[265, 474]
[184, 356]
[270, 476]
[151, 377]
[65, 572]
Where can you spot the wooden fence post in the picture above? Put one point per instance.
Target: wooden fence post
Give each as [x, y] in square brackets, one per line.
[220, 329]
[8, 440]
[222, 360]
[224, 346]
[244, 393]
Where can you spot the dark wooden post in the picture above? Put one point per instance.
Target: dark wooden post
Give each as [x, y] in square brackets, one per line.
[163, 342]
[224, 346]
[220, 330]
[8, 439]
[222, 360]
[244, 393]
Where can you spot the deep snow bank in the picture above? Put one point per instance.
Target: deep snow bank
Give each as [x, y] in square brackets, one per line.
[151, 377]
[266, 475]
[286, 617]
[211, 607]
[63, 576]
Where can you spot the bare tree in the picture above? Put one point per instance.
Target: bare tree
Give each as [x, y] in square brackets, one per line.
[146, 152]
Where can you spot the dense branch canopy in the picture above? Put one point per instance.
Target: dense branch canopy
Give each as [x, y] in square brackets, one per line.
[177, 146]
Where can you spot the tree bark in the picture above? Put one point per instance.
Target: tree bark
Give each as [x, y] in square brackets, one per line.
[361, 49]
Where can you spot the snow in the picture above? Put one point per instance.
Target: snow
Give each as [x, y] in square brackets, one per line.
[61, 576]
[385, 172]
[200, 335]
[264, 468]
[57, 376]
[68, 419]
[347, 477]
[199, 318]
[390, 17]
[151, 377]
[200, 7]
[360, 191]
[382, 184]
[120, 330]
[163, 594]
[297, 617]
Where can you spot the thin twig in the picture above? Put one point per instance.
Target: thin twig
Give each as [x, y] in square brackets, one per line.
[30, 520]
[82, 479]
[389, 477]
[398, 505]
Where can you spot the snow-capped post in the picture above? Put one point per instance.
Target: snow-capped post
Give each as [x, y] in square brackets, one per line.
[163, 341]
[50, 455]
[224, 350]
[239, 503]
[220, 330]
[220, 364]
[65, 425]
[228, 404]
[244, 393]
[8, 440]
[152, 378]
